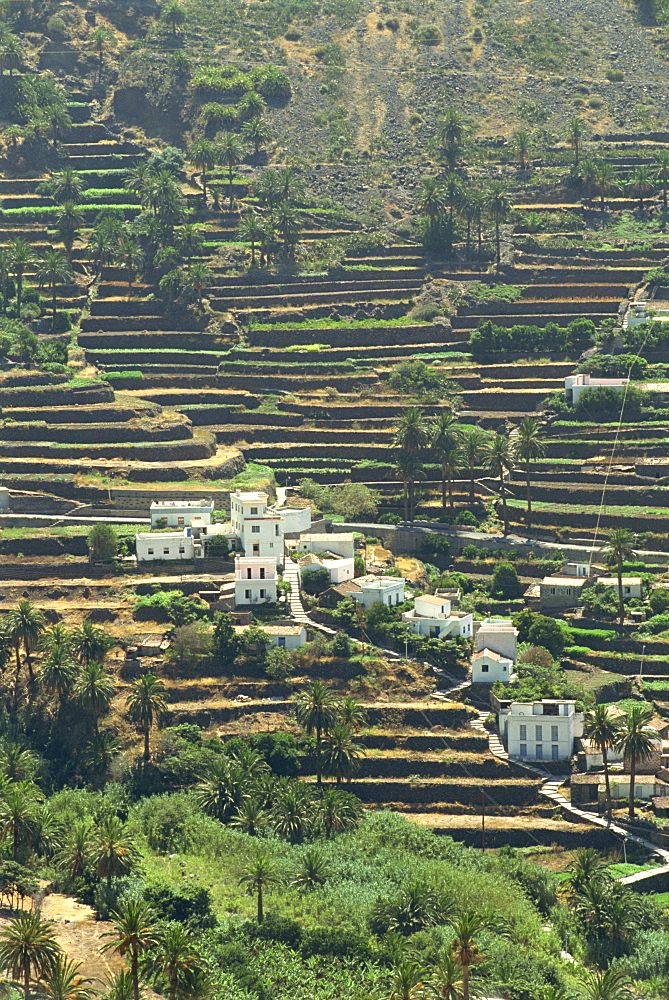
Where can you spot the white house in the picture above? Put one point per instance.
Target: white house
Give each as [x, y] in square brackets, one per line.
[255, 580]
[179, 513]
[431, 616]
[386, 589]
[488, 667]
[286, 635]
[499, 636]
[574, 385]
[257, 529]
[338, 544]
[632, 585]
[593, 754]
[166, 546]
[340, 570]
[540, 730]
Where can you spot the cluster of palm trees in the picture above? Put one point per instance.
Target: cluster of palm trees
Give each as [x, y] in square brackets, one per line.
[334, 724]
[43, 103]
[628, 733]
[228, 151]
[274, 225]
[599, 178]
[443, 200]
[52, 267]
[456, 448]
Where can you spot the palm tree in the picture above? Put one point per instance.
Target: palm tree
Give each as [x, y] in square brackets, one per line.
[287, 223]
[64, 982]
[198, 277]
[68, 223]
[67, 186]
[445, 439]
[408, 466]
[341, 753]
[113, 851]
[447, 982]
[637, 741]
[175, 959]
[203, 156]
[53, 268]
[251, 817]
[642, 185]
[316, 711]
[100, 37]
[601, 728]
[452, 189]
[259, 874]
[575, 137]
[28, 949]
[73, 857]
[99, 752]
[431, 201]
[588, 174]
[24, 627]
[586, 869]
[311, 872]
[620, 549]
[257, 133]
[473, 449]
[21, 255]
[451, 134]
[251, 230]
[529, 447]
[662, 175]
[338, 811]
[412, 433]
[291, 815]
[19, 803]
[94, 691]
[146, 705]
[499, 459]
[59, 120]
[130, 254]
[17, 763]
[352, 713]
[606, 181]
[612, 984]
[174, 14]
[223, 790]
[407, 982]
[89, 643]
[466, 927]
[522, 146]
[229, 153]
[498, 208]
[59, 672]
[133, 936]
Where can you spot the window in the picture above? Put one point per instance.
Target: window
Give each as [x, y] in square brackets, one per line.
[247, 594]
[166, 552]
[181, 550]
[552, 590]
[627, 590]
[276, 529]
[282, 640]
[271, 545]
[254, 510]
[256, 549]
[262, 593]
[538, 732]
[555, 752]
[568, 591]
[523, 749]
[540, 752]
[262, 572]
[255, 529]
[249, 574]
[150, 551]
[554, 733]
[180, 520]
[523, 732]
[485, 668]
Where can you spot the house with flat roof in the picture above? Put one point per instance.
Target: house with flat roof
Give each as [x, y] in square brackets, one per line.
[431, 616]
[562, 591]
[498, 635]
[386, 589]
[339, 543]
[255, 580]
[540, 730]
[168, 546]
[179, 513]
[339, 569]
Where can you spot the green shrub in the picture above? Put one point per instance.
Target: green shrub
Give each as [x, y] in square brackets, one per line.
[505, 582]
[336, 942]
[188, 904]
[659, 601]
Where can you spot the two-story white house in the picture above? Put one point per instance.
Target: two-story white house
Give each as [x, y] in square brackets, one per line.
[258, 530]
[388, 590]
[431, 616]
[540, 730]
[168, 546]
[180, 513]
[255, 580]
[489, 666]
[497, 635]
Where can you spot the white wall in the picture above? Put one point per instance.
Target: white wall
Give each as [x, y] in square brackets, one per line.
[289, 641]
[390, 595]
[504, 642]
[498, 670]
[178, 514]
[534, 737]
[255, 592]
[294, 519]
[164, 546]
[341, 544]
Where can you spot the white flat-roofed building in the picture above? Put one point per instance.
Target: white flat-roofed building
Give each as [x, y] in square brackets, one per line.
[574, 385]
[258, 530]
[179, 513]
[431, 617]
[489, 666]
[286, 635]
[540, 730]
[167, 546]
[341, 544]
[255, 580]
[388, 590]
[498, 635]
[340, 570]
